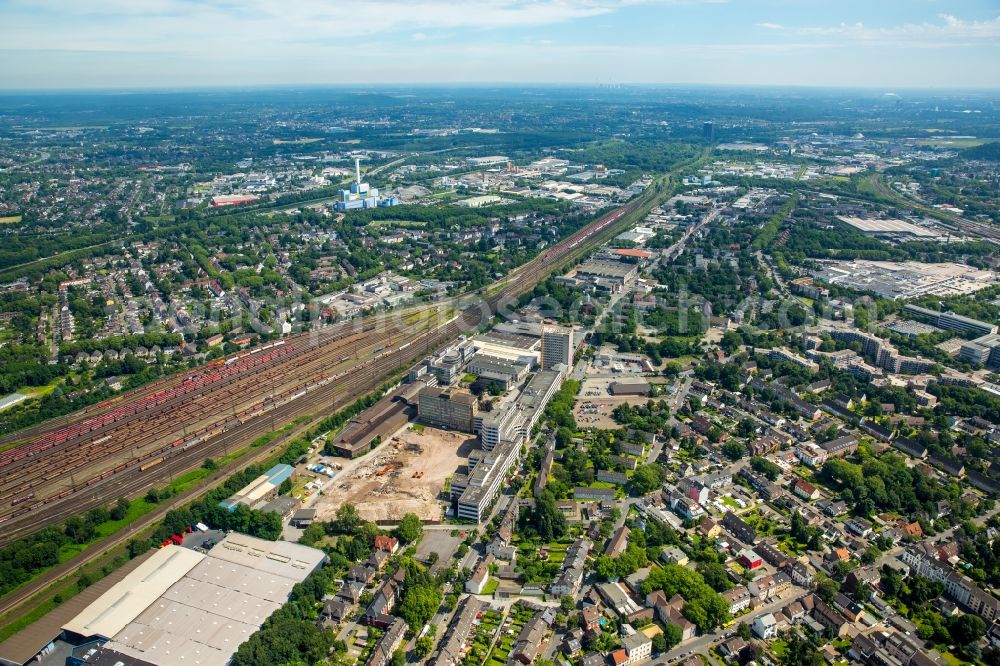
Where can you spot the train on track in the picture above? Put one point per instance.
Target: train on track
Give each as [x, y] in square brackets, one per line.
[245, 367]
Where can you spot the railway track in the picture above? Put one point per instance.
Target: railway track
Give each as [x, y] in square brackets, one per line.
[216, 417]
[983, 231]
[145, 437]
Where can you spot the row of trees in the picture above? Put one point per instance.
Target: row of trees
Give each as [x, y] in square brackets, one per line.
[23, 559]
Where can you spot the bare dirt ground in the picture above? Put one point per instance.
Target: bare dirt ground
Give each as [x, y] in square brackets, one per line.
[387, 496]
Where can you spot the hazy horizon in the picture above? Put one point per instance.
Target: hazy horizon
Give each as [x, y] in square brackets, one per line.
[114, 45]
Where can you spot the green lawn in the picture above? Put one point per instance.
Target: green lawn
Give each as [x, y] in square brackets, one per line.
[557, 551]
[951, 659]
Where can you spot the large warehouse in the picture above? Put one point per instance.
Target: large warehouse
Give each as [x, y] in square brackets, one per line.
[185, 607]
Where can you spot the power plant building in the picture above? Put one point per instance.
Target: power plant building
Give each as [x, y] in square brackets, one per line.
[361, 195]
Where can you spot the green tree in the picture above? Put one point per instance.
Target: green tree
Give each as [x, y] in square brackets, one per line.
[348, 520]
[647, 478]
[120, 509]
[672, 636]
[734, 450]
[410, 529]
[765, 467]
[801, 652]
[419, 604]
[715, 576]
[743, 631]
[966, 629]
[827, 588]
[545, 521]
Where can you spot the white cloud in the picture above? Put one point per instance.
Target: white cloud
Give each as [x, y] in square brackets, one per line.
[771, 26]
[950, 31]
[192, 25]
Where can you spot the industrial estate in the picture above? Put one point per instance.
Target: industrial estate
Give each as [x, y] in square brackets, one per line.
[421, 381]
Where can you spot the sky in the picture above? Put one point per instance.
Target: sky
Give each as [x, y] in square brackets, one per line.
[60, 44]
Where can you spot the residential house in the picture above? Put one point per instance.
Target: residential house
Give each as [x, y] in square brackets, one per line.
[686, 508]
[638, 647]
[386, 544]
[805, 490]
[859, 527]
[388, 644]
[590, 618]
[829, 618]
[611, 476]
[708, 528]
[750, 559]
[739, 528]
[671, 612]
[479, 578]
[529, 642]
[618, 542]
[771, 555]
[382, 603]
[765, 627]
[351, 591]
[334, 612]
[738, 599]
[363, 573]
[674, 555]
[801, 574]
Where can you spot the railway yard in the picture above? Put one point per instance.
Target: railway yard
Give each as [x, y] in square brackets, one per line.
[149, 436]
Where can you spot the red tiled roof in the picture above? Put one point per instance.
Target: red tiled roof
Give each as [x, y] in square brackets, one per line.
[641, 254]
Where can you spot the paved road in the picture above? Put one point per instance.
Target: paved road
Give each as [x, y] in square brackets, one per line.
[673, 251]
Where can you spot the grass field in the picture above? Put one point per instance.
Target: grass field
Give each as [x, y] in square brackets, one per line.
[945, 142]
[10, 219]
[296, 142]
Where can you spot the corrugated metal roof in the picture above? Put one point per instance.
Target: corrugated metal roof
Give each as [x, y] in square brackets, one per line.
[114, 609]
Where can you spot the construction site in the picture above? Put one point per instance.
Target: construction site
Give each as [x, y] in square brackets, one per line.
[407, 474]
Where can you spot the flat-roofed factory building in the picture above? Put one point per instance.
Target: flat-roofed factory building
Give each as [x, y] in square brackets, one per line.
[607, 274]
[377, 423]
[182, 606]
